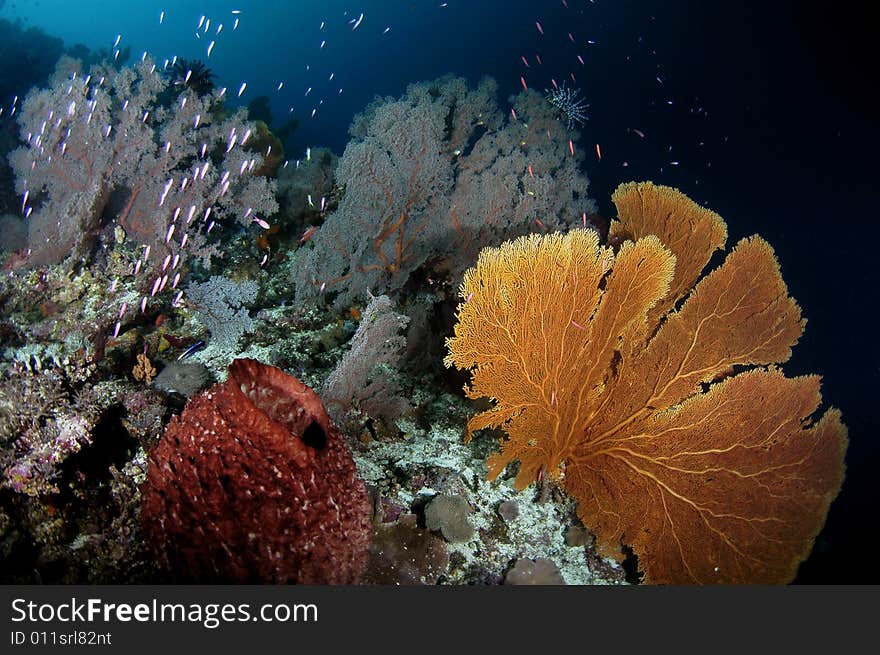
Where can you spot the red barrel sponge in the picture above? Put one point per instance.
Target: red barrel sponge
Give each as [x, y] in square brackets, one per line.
[254, 484]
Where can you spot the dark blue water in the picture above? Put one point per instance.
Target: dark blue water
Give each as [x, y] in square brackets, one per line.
[764, 111]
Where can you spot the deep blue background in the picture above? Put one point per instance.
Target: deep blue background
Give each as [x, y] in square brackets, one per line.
[769, 108]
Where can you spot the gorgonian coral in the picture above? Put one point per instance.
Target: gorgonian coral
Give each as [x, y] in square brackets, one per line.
[603, 377]
[433, 177]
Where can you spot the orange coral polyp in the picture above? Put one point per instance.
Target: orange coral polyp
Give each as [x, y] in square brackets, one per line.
[598, 380]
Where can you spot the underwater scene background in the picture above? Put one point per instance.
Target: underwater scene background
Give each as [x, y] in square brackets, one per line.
[428, 292]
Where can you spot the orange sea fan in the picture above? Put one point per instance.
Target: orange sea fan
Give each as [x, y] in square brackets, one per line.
[599, 379]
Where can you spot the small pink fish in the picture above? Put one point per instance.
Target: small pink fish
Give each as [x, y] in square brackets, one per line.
[570, 37]
[540, 29]
[522, 81]
[581, 59]
[308, 234]
[513, 113]
[571, 147]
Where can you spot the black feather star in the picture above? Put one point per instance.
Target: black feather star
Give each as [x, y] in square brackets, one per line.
[193, 75]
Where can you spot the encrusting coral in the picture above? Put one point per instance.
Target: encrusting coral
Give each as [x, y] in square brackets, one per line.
[603, 377]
